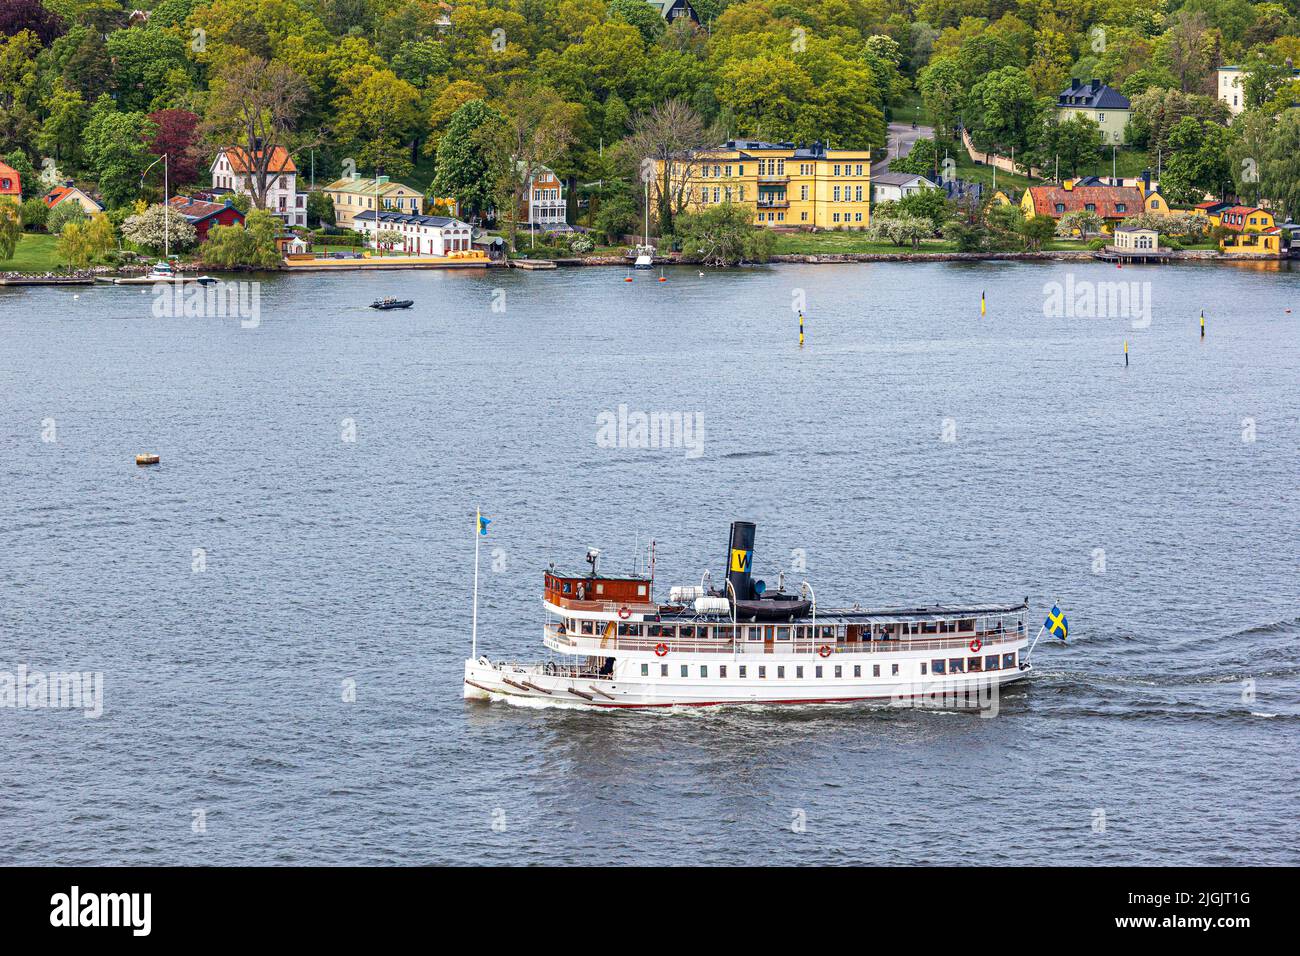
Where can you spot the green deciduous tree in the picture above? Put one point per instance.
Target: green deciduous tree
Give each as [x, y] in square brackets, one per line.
[1197, 163]
[251, 245]
[11, 227]
[1002, 110]
[62, 214]
[378, 118]
[724, 235]
[65, 120]
[943, 90]
[115, 150]
[472, 160]
[85, 242]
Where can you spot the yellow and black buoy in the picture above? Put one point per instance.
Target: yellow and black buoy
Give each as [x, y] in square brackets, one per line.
[143, 460]
[1202, 323]
[1126, 353]
[801, 328]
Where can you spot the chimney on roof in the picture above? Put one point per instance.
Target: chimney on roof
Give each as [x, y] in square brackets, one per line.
[1074, 83]
[1095, 85]
[1069, 185]
[1146, 181]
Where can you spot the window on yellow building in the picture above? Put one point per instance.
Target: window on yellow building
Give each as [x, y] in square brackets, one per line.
[837, 169]
[857, 194]
[803, 193]
[803, 217]
[837, 194]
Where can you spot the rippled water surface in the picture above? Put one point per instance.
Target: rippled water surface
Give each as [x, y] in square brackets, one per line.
[1173, 711]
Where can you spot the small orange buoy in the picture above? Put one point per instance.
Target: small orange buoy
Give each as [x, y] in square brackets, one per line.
[146, 460]
[628, 279]
[663, 279]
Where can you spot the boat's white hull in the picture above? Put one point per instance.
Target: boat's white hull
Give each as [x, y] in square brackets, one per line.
[533, 685]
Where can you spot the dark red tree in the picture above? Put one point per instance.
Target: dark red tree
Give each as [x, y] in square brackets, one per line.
[177, 136]
[19, 15]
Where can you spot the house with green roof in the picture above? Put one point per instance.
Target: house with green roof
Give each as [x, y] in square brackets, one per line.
[353, 195]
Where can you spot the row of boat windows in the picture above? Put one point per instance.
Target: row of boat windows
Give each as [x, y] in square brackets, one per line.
[779, 632]
[955, 665]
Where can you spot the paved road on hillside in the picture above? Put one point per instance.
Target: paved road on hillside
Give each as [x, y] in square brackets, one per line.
[901, 139]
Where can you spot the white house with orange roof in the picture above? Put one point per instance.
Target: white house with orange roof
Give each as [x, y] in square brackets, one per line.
[70, 193]
[234, 170]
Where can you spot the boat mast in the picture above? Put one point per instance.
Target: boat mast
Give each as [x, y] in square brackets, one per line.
[473, 641]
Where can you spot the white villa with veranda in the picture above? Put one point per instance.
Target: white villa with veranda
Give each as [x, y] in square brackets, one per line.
[232, 173]
[421, 235]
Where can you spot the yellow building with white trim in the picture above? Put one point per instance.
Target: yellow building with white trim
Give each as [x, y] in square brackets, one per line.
[353, 196]
[786, 184]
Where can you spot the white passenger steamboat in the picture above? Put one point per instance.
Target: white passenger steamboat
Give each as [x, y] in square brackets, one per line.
[741, 643]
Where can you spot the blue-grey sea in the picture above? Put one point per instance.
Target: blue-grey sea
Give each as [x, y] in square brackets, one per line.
[280, 610]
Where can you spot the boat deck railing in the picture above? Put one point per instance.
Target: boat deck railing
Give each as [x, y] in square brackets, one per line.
[596, 644]
[551, 669]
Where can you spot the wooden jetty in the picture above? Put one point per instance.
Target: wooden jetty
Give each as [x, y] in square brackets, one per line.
[77, 278]
[1126, 256]
[532, 265]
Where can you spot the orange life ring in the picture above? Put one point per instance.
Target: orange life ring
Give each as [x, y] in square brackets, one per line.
[975, 646]
[624, 612]
[661, 649]
[824, 650]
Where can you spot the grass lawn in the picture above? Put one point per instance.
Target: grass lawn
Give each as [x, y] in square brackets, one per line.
[1129, 164]
[35, 253]
[972, 171]
[421, 175]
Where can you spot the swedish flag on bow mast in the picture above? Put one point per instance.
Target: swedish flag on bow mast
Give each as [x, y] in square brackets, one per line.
[480, 531]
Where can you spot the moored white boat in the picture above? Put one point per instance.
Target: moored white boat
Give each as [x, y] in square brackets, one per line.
[162, 271]
[743, 644]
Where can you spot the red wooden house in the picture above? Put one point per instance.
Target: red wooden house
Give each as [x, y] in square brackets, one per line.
[204, 215]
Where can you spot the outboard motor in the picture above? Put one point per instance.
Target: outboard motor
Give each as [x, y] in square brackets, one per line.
[740, 559]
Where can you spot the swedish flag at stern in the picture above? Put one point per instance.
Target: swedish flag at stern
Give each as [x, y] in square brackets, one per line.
[1056, 623]
[483, 522]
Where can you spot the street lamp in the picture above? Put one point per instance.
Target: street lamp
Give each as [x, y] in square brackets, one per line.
[379, 181]
[167, 209]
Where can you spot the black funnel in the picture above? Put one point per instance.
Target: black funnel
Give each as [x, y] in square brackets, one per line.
[740, 560]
